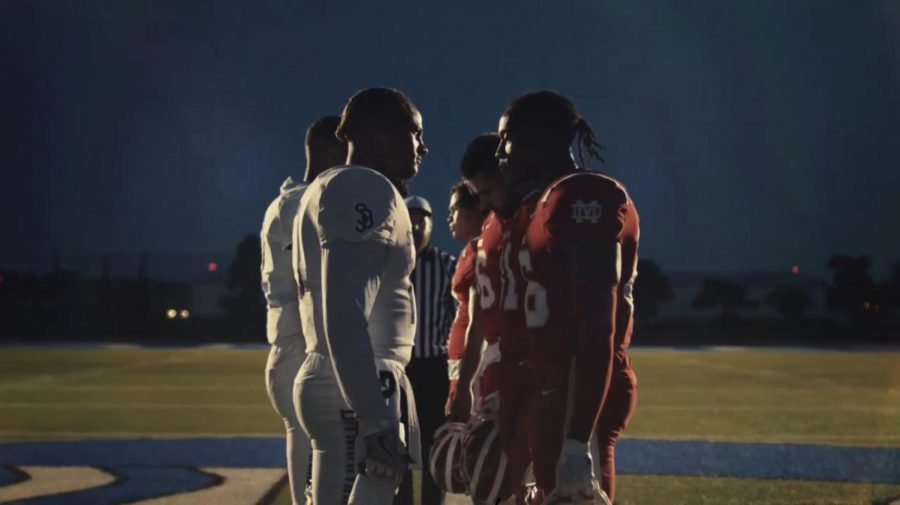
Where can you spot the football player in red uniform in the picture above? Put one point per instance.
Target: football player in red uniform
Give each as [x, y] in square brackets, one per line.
[480, 173]
[578, 257]
[498, 463]
[465, 219]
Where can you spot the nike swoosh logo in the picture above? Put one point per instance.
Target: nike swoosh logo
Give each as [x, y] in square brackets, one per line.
[546, 392]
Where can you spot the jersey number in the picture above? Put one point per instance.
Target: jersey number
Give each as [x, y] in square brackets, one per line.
[509, 281]
[536, 311]
[388, 383]
[486, 293]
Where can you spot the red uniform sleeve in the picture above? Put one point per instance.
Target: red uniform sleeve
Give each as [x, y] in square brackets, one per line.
[463, 278]
[587, 211]
[584, 219]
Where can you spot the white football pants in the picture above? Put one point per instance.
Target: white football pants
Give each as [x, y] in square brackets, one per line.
[333, 430]
[281, 371]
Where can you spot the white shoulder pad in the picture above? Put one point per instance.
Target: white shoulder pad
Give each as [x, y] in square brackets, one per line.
[358, 204]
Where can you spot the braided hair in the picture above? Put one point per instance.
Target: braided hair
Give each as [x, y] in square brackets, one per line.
[555, 119]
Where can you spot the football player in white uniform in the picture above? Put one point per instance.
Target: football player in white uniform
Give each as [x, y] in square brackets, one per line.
[357, 304]
[323, 150]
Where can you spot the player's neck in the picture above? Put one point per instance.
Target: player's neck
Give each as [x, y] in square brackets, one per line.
[555, 167]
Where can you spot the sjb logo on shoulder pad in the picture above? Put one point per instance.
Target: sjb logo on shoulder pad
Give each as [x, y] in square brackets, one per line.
[365, 220]
[582, 212]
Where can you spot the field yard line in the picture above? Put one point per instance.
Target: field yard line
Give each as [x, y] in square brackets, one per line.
[48, 378]
[780, 438]
[85, 435]
[781, 408]
[873, 349]
[140, 406]
[257, 406]
[750, 371]
[113, 387]
[768, 387]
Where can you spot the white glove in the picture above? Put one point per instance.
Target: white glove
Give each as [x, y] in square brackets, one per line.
[575, 482]
[382, 454]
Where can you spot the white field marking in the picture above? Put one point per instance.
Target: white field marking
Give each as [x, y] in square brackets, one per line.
[124, 387]
[41, 436]
[781, 438]
[136, 406]
[793, 409]
[240, 486]
[873, 349]
[47, 480]
[767, 387]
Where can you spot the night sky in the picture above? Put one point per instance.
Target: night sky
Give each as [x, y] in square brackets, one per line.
[752, 135]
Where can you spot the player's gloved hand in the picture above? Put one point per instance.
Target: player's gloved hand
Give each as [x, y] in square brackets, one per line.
[380, 452]
[575, 482]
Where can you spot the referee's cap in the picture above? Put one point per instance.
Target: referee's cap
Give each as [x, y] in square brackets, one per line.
[418, 202]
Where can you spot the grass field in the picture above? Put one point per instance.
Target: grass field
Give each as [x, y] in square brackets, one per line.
[843, 399]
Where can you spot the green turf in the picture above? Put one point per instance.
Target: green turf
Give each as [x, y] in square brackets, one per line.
[762, 396]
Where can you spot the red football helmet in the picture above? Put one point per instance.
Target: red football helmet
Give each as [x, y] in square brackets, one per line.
[484, 462]
[446, 458]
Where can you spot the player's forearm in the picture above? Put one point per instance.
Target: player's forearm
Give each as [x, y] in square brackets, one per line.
[593, 371]
[350, 283]
[474, 341]
[456, 345]
[592, 280]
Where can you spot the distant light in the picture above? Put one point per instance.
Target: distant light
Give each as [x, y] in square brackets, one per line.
[795, 269]
[1, 278]
[171, 314]
[184, 314]
[212, 266]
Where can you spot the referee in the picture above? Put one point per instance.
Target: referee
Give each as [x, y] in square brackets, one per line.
[427, 370]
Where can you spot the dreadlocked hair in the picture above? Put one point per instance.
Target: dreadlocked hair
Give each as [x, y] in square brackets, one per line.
[550, 116]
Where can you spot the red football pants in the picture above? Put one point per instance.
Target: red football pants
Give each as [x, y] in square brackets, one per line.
[552, 403]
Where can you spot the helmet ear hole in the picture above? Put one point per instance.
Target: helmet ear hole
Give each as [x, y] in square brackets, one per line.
[445, 459]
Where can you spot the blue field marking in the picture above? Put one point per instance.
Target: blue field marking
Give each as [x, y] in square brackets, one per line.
[759, 460]
[10, 476]
[28, 344]
[239, 452]
[134, 483]
[635, 456]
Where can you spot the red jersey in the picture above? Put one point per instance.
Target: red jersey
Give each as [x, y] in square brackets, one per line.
[463, 279]
[513, 341]
[489, 274]
[580, 211]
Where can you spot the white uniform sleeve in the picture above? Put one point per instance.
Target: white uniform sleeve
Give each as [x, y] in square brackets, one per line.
[278, 284]
[350, 278]
[358, 206]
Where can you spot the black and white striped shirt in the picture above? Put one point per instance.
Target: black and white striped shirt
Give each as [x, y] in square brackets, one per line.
[435, 305]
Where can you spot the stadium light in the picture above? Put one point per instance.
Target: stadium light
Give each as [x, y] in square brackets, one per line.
[795, 269]
[212, 266]
[171, 314]
[184, 314]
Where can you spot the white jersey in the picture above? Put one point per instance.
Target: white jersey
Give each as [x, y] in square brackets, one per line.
[278, 282]
[358, 204]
